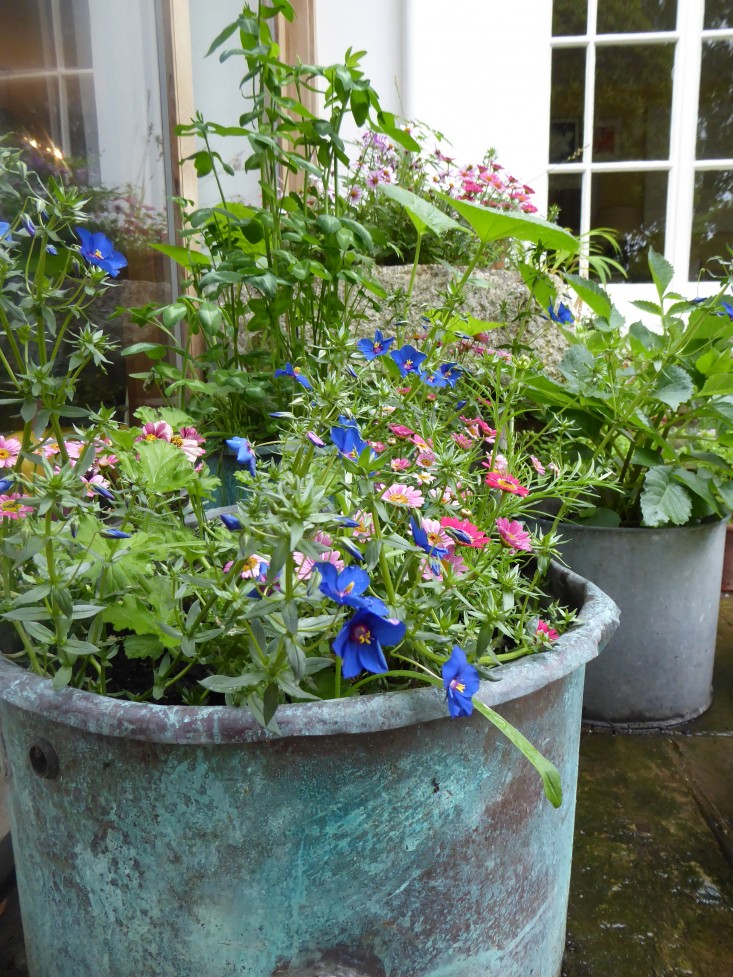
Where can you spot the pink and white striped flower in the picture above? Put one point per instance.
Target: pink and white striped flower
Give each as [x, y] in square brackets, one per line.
[9, 451]
[404, 496]
[12, 508]
[513, 534]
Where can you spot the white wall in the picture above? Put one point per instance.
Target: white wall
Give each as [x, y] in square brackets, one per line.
[218, 98]
[478, 70]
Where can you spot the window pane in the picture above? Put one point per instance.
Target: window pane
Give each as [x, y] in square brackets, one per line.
[569, 17]
[564, 191]
[26, 38]
[622, 17]
[718, 14]
[715, 113]
[566, 106]
[633, 102]
[75, 37]
[633, 205]
[712, 221]
[30, 111]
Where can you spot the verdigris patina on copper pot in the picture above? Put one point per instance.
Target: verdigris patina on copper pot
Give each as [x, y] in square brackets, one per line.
[374, 833]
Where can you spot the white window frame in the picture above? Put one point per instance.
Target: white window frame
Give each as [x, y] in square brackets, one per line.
[681, 166]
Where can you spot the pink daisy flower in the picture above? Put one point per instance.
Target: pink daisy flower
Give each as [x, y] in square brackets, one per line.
[422, 443]
[425, 459]
[500, 464]
[251, 566]
[155, 431]
[445, 496]
[553, 468]
[377, 446]
[403, 495]
[12, 508]
[401, 431]
[475, 427]
[436, 534]
[305, 564]
[424, 478]
[400, 464]
[546, 633]
[73, 449]
[537, 465]
[9, 451]
[465, 533]
[506, 483]
[191, 434]
[513, 534]
[454, 562]
[463, 441]
[189, 446]
[365, 528]
[95, 479]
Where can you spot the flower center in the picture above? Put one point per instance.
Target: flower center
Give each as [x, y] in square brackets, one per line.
[4, 453]
[347, 589]
[434, 539]
[250, 563]
[177, 440]
[399, 497]
[377, 347]
[408, 364]
[10, 505]
[458, 686]
[362, 634]
[151, 436]
[97, 254]
[296, 370]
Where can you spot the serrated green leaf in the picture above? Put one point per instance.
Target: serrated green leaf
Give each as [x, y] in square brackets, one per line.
[663, 500]
[662, 271]
[595, 297]
[424, 215]
[673, 386]
[492, 225]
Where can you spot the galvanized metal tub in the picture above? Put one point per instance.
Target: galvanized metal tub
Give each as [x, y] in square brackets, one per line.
[658, 668]
[375, 833]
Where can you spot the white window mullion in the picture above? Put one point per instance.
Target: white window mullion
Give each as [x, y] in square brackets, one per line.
[683, 138]
[588, 121]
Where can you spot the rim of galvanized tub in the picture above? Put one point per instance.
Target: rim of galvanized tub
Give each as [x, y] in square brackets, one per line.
[566, 525]
[597, 619]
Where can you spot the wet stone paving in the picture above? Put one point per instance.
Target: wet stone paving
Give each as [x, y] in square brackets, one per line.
[652, 885]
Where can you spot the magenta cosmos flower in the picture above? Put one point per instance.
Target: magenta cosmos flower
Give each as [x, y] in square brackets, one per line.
[545, 632]
[513, 534]
[403, 495]
[9, 451]
[155, 431]
[506, 483]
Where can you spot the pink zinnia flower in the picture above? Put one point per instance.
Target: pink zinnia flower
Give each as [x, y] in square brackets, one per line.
[546, 633]
[537, 464]
[513, 534]
[156, 431]
[400, 464]
[477, 539]
[403, 495]
[9, 451]
[506, 483]
[400, 430]
[11, 508]
[365, 528]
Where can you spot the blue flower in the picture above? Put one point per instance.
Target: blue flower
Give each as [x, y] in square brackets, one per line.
[408, 359]
[345, 421]
[452, 372]
[315, 440]
[461, 682]
[359, 642]
[727, 308]
[102, 490]
[243, 450]
[427, 543]
[351, 371]
[433, 379]
[563, 315]
[114, 534]
[348, 441]
[28, 225]
[231, 522]
[5, 484]
[50, 249]
[294, 371]
[372, 348]
[347, 587]
[98, 250]
[5, 234]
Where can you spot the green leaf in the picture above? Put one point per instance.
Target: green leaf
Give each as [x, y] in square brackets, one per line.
[228, 683]
[595, 297]
[143, 646]
[651, 307]
[492, 225]
[697, 484]
[718, 385]
[62, 678]
[644, 339]
[186, 257]
[663, 500]
[163, 467]
[662, 271]
[548, 771]
[424, 215]
[290, 687]
[673, 387]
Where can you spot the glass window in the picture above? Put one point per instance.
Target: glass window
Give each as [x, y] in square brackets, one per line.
[638, 16]
[633, 205]
[566, 109]
[633, 102]
[564, 194]
[718, 14]
[66, 112]
[712, 222]
[715, 112]
[569, 17]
